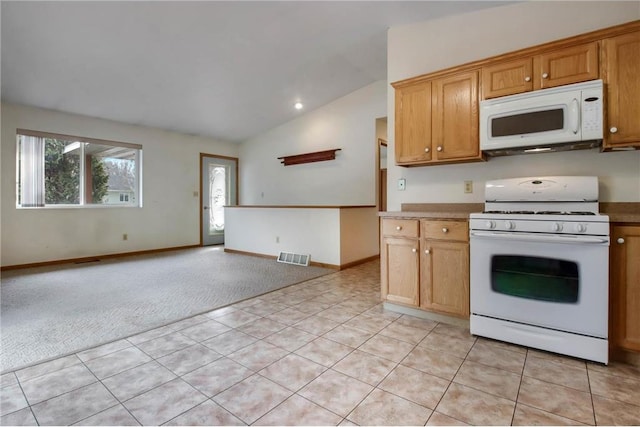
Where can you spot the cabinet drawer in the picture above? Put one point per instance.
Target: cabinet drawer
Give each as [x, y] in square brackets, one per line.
[400, 227]
[446, 230]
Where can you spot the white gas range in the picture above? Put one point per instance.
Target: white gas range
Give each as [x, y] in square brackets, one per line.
[540, 266]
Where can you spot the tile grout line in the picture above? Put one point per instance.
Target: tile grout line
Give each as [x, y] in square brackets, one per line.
[111, 393]
[524, 365]
[451, 381]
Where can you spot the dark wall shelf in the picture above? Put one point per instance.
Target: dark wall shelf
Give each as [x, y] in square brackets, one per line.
[318, 156]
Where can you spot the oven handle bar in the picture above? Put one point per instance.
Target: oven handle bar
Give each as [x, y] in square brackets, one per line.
[547, 238]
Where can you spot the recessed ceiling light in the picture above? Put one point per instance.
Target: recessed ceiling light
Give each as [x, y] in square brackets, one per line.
[298, 105]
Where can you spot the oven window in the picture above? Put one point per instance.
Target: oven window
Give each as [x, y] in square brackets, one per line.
[520, 124]
[536, 278]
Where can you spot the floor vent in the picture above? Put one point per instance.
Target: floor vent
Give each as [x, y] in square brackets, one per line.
[291, 258]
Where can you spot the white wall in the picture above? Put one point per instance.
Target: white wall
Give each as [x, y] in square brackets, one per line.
[330, 235]
[300, 230]
[434, 45]
[358, 234]
[347, 123]
[169, 218]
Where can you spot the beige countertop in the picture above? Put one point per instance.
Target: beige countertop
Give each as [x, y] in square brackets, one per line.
[618, 212]
[621, 212]
[435, 210]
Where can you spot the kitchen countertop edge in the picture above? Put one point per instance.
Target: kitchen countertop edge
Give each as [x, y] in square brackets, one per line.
[623, 212]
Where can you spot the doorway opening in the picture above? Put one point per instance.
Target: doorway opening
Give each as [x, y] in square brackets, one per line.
[218, 188]
[381, 164]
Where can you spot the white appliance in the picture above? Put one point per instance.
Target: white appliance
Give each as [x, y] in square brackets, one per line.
[561, 118]
[539, 257]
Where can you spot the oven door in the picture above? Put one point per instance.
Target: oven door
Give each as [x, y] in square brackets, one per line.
[553, 281]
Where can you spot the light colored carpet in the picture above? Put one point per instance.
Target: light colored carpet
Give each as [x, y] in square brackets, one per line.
[48, 312]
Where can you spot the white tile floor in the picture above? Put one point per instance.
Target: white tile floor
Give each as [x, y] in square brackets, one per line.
[322, 352]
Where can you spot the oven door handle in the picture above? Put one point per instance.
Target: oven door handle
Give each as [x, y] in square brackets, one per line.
[547, 238]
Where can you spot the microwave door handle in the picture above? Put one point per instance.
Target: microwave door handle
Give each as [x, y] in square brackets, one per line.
[574, 116]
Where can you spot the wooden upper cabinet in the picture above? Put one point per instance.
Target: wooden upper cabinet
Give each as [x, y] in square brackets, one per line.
[566, 66]
[437, 120]
[456, 117]
[549, 69]
[507, 78]
[621, 73]
[413, 123]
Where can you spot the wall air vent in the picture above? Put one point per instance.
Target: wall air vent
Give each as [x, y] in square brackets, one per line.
[296, 259]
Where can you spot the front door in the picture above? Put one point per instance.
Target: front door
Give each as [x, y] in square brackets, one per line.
[219, 189]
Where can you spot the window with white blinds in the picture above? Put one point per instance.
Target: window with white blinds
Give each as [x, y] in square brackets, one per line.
[63, 170]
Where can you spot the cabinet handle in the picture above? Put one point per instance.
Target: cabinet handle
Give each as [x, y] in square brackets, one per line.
[613, 129]
[427, 251]
[445, 230]
[398, 228]
[414, 250]
[527, 79]
[620, 240]
[426, 150]
[545, 75]
[439, 148]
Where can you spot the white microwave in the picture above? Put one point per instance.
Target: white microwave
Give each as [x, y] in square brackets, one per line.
[561, 118]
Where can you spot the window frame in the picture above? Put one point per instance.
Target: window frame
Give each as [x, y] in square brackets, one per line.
[72, 138]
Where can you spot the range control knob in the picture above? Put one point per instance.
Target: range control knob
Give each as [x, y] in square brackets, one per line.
[490, 224]
[556, 226]
[509, 225]
[580, 228]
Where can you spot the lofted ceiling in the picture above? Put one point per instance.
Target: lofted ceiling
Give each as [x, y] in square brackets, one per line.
[223, 69]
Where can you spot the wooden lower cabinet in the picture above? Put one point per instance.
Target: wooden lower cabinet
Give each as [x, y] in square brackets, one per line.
[429, 270]
[444, 267]
[399, 260]
[624, 316]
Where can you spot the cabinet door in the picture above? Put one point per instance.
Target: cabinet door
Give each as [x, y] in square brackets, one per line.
[455, 116]
[625, 287]
[445, 277]
[570, 65]
[413, 124]
[620, 68]
[399, 270]
[507, 78]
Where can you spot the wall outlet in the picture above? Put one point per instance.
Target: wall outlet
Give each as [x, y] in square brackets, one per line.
[468, 186]
[125, 236]
[402, 184]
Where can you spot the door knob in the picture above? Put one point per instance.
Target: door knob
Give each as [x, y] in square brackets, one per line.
[427, 251]
[545, 75]
[620, 240]
[439, 147]
[527, 79]
[414, 250]
[613, 129]
[398, 228]
[426, 150]
[445, 230]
